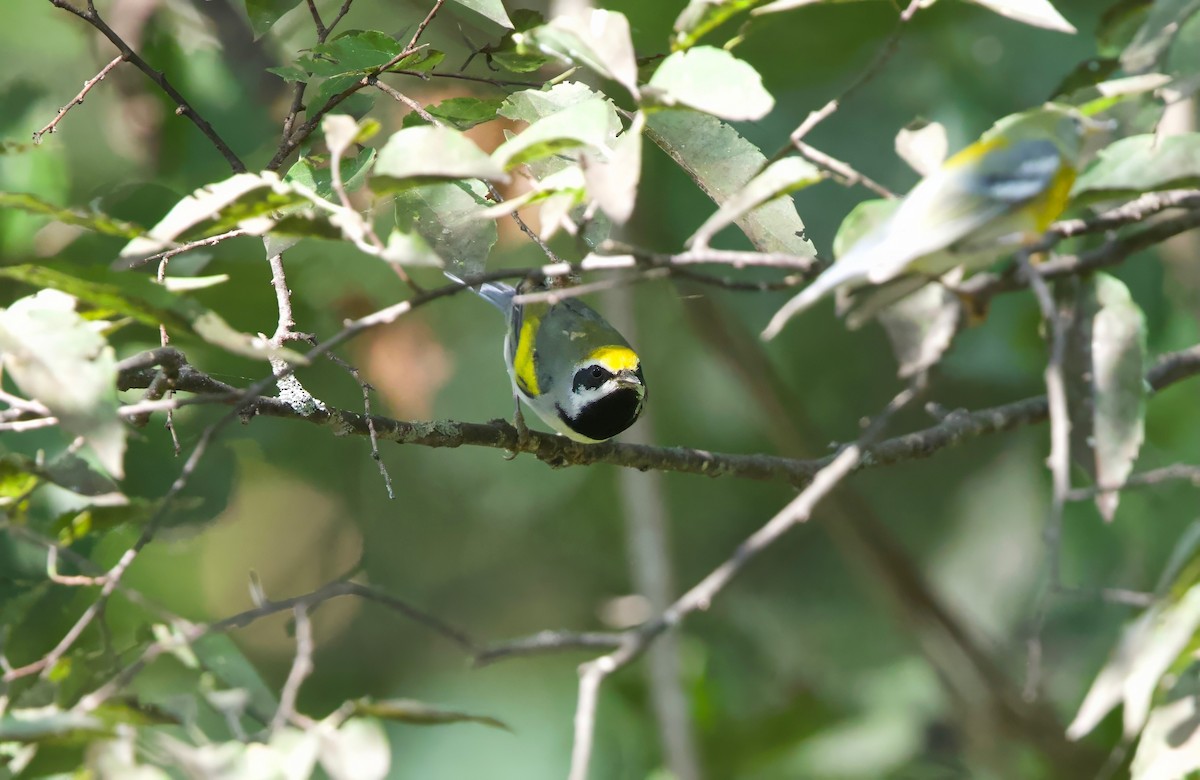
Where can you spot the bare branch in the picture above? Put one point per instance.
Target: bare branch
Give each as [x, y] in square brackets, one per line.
[183, 107]
[302, 667]
[52, 125]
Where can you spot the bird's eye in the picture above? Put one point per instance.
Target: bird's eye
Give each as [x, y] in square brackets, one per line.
[591, 377]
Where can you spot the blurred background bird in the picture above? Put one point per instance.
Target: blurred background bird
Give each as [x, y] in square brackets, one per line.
[1000, 193]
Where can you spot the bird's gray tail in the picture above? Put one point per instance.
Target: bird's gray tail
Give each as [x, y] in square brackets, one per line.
[498, 294]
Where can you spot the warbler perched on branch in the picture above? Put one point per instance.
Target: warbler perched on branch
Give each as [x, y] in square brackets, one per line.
[568, 364]
[998, 194]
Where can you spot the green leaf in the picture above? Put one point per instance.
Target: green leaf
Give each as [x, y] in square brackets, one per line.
[220, 655]
[50, 724]
[18, 475]
[1154, 38]
[514, 53]
[1104, 366]
[421, 714]
[56, 357]
[596, 39]
[489, 9]
[215, 209]
[76, 524]
[701, 17]
[446, 219]
[419, 155]
[589, 124]
[290, 73]
[721, 162]
[264, 13]
[713, 81]
[313, 172]
[145, 301]
[333, 86]
[460, 113]
[1142, 163]
[1119, 24]
[354, 51]
[94, 221]
[780, 178]
[530, 105]
[1170, 743]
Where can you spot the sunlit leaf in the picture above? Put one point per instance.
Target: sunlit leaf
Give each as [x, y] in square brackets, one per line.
[489, 9]
[138, 297]
[79, 523]
[1039, 13]
[721, 162]
[780, 178]
[923, 146]
[713, 81]
[1104, 367]
[18, 475]
[419, 155]
[215, 209]
[56, 357]
[68, 471]
[584, 124]
[358, 750]
[1147, 648]
[701, 17]
[95, 221]
[597, 39]
[1142, 163]
[613, 181]
[1169, 747]
[420, 713]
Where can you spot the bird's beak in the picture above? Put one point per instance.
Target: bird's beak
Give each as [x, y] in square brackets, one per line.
[628, 378]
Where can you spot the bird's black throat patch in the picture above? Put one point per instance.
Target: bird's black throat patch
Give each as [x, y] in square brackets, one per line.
[605, 417]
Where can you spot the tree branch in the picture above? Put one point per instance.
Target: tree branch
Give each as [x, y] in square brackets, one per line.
[52, 125]
[183, 107]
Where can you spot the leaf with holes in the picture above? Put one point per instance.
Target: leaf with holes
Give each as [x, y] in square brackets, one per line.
[721, 162]
[1104, 367]
[780, 178]
[442, 223]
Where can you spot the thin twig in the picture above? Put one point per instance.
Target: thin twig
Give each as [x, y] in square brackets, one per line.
[52, 125]
[700, 597]
[138, 262]
[183, 107]
[1151, 478]
[849, 176]
[302, 667]
[1059, 463]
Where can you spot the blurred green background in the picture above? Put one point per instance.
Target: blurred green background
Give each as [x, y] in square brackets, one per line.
[800, 669]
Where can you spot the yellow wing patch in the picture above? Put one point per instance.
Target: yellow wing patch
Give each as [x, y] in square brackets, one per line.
[974, 152]
[524, 367]
[1054, 200]
[616, 358]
